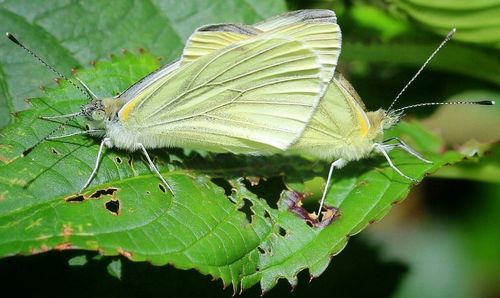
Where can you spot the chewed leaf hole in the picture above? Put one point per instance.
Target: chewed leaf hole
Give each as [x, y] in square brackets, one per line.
[282, 232]
[113, 206]
[103, 192]
[268, 189]
[76, 198]
[27, 151]
[118, 160]
[261, 250]
[228, 189]
[294, 202]
[162, 188]
[54, 151]
[247, 209]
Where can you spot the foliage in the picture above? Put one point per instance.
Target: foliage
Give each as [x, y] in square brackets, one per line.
[236, 218]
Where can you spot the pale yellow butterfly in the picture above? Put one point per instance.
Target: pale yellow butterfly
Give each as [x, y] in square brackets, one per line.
[254, 97]
[341, 128]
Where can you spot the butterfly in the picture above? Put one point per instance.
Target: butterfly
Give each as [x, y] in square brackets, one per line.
[253, 96]
[341, 128]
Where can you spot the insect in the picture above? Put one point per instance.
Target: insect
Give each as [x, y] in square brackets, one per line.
[341, 129]
[251, 97]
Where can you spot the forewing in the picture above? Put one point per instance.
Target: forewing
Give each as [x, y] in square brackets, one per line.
[324, 38]
[261, 92]
[148, 80]
[299, 16]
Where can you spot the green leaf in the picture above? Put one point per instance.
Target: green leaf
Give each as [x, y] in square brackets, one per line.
[78, 261]
[115, 268]
[485, 169]
[71, 34]
[453, 59]
[216, 223]
[476, 21]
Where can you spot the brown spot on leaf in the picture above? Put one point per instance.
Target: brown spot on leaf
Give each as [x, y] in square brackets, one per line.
[67, 231]
[294, 203]
[142, 50]
[124, 253]
[63, 246]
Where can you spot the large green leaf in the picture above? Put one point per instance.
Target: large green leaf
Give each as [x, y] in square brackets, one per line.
[216, 223]
[454, 59]
[71, 34]
[476, 21]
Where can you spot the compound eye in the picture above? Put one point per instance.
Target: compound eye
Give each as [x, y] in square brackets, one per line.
[98, 115]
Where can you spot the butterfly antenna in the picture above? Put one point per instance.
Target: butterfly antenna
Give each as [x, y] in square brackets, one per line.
[447, 38]
[85, 90]
[480, 102]
[70, 118]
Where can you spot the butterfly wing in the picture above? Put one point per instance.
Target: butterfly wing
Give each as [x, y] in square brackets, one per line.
[249, 97]
[148, 80]
[322, 36]
[339, 126]
[298, 16]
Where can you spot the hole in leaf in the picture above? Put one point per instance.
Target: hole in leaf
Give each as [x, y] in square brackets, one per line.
[261, 250]
[27, 151]
[294, 202]
[266, 214]
[221, 182]
[87, 127]
[113, 206]
[54, 151]
[247, 209]
[76, 198]
[162, 188]
[103, 192]
[268, 189]
[282, 232]
[148, 192]
[118, 160]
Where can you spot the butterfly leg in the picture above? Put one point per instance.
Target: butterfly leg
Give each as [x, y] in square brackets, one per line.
[406, 148]
[153, 167]
[339, 163]
[97, 163]
[382, 150]
[84, 132]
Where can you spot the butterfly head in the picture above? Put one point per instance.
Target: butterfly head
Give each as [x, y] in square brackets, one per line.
[99, 111]
[391, 118]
